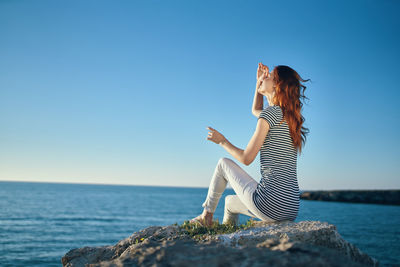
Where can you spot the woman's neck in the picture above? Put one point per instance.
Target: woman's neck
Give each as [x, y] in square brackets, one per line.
[269, 99]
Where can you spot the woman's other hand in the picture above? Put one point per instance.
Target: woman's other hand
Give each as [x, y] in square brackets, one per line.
[215, 136]
[262, 69]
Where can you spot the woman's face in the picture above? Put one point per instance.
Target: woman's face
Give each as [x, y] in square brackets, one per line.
[268, 84]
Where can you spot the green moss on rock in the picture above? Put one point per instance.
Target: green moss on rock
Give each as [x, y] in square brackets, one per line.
[197, 231]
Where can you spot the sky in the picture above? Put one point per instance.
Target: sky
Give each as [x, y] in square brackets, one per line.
[121, 92]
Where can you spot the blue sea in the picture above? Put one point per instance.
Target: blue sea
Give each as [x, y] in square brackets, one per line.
[40, 222]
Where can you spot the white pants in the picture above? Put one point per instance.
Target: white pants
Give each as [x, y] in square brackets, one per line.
[243, 185]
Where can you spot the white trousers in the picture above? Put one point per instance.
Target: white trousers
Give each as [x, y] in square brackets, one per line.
[243, 185]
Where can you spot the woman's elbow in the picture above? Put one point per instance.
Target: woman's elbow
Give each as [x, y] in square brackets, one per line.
[247, 162]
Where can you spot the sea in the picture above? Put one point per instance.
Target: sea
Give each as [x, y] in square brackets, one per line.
[41, 222]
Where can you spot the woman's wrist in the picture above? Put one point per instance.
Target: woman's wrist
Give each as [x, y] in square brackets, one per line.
[223, 141]
[258, 83]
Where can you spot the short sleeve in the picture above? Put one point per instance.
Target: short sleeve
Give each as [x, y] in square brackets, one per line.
[271, 115]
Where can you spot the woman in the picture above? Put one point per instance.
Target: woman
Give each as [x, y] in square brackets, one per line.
[279, 136]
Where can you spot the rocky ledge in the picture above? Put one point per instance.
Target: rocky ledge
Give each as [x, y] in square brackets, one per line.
[385, 197]
[305, 243]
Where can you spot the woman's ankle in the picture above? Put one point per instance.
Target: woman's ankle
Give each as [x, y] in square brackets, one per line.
[207, 213]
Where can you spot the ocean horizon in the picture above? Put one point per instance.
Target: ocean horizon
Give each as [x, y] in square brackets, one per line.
[41, 221]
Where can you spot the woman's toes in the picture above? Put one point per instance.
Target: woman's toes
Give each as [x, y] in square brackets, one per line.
[206, 220]
[198, 218]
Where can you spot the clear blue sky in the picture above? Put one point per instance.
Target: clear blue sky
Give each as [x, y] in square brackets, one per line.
[121, 92]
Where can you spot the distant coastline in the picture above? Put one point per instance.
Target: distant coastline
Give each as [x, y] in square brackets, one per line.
[384, 197]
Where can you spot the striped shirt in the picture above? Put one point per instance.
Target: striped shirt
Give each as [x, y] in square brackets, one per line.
[277, 194]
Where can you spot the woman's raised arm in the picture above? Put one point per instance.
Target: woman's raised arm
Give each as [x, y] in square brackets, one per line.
[258, 101]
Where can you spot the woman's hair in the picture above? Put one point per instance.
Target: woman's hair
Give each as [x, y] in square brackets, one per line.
[288, 95]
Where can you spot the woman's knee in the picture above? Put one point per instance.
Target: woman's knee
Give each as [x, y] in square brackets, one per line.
[224, 161]
[229, 199]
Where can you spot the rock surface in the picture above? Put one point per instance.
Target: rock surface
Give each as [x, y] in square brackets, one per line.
[306, 243]
[386, 197]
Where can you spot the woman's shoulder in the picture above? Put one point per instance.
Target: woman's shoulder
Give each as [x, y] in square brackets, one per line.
[275, 110]
[272, 114]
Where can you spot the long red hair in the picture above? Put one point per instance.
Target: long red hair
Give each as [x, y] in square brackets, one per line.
[289, 93]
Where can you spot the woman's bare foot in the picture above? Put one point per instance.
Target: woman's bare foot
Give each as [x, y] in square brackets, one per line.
[205, 218]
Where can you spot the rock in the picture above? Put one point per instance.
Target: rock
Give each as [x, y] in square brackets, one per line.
[306, 243]
[386, 197]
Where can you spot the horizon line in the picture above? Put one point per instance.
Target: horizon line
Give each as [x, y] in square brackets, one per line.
[116, 184]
